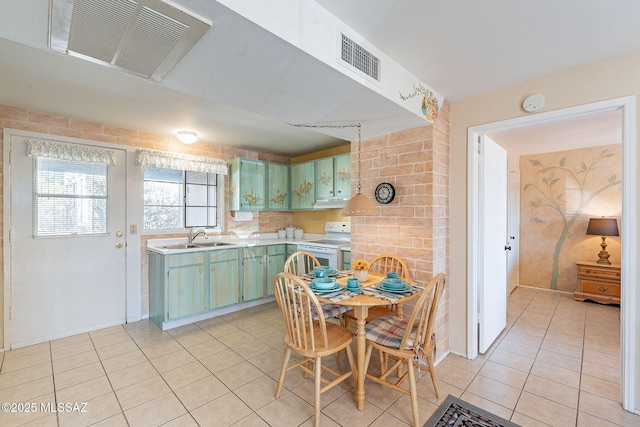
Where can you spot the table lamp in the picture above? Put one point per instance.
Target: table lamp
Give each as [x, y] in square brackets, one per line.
[603, 227]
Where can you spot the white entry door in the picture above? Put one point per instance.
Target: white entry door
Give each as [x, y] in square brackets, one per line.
[67, 237]
[492, 238]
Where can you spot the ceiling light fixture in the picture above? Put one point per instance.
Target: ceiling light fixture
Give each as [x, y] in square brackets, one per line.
[187, 137]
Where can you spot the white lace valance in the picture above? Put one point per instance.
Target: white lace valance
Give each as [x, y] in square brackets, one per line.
[185, 162]
[63, 151]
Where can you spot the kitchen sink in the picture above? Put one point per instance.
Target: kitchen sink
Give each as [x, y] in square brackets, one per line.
[210, 244]
[195, 245]
[180, 246]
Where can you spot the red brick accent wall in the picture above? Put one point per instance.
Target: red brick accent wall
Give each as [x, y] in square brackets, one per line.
[415, 225]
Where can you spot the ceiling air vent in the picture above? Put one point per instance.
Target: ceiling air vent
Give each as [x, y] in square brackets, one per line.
[143, 37]
[360, 58]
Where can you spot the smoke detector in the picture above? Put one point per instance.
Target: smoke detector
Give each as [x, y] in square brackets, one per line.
[533, 103]
[143, 37]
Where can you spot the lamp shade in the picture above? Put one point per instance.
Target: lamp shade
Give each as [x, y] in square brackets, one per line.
[603, 227]
[359, 205]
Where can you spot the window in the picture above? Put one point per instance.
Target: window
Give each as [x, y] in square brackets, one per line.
[70, 197]
[179, 199]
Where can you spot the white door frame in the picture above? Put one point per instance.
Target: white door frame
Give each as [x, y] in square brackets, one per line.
[133, 267]
[629, 254]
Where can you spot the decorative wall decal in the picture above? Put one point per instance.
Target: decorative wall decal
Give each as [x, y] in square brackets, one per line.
[561, 191]
[430, 105]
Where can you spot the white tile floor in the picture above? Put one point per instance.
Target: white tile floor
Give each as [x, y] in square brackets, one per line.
[557, 364]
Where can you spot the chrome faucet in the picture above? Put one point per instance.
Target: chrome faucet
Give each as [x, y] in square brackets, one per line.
[193, 233]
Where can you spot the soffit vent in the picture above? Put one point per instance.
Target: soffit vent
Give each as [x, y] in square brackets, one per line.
[360, 58]
[144, 37]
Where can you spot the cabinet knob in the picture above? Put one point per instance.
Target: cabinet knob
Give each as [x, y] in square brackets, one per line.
[602, 288]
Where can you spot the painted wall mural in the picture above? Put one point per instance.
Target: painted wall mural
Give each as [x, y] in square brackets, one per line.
[560, 191]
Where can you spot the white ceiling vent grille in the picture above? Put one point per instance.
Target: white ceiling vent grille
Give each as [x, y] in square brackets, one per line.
[360, 58]
[144, 37]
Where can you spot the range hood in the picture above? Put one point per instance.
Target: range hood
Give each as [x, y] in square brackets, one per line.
[331, 203]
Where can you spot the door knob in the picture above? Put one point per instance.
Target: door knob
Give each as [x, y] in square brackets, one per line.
[119, 245]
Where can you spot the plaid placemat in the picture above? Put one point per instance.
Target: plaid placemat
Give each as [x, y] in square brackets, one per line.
[389, 296]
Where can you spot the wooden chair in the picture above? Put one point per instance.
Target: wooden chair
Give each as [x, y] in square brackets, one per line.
[384, 264]
[407, 343]
[300, 263]
[310, 336]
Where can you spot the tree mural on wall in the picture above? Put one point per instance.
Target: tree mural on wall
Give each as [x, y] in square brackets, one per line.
[553, 197]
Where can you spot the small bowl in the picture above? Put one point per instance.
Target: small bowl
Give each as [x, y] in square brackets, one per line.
[322, 267]
[394, 284]
[324, 283]
[392, 275]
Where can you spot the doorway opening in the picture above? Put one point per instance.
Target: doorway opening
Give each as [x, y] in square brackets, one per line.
[628, 226]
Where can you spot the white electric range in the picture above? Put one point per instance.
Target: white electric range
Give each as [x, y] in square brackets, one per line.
[328, 250]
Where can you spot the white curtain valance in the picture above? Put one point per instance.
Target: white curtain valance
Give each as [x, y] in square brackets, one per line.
[185, 162]
[63, 151]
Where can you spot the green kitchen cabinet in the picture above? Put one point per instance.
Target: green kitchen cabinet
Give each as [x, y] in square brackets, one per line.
[333, 177]
[177, 286]
[342, 176]
[291, 249]
[346, 260]
[278, 194]
[254, 273]
[224, 277]
[247, 179]
[260, 265]
[276, 256]
[302, 185]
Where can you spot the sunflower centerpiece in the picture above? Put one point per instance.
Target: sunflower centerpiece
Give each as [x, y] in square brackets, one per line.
[360, 270]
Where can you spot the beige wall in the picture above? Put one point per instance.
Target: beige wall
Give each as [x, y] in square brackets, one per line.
[612, 78]
[558, 196]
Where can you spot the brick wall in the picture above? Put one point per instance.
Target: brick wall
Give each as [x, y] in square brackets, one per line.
[415, 226]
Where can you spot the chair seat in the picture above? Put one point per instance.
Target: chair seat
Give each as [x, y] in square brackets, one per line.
[339, 338]
[387, 331]
[330, 310]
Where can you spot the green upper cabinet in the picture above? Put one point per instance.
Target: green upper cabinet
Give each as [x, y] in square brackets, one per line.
[247, 179]
[333, 177]
[303, 190]
[278, 194]
[342, 176]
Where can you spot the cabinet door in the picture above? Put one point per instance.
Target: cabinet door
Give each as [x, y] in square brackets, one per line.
[254, 270]
[185, 291]
[277, 186]
[302, 187]
[275, 264]
[224, 278]
[342, 176]
[324, 178]
[252, 179]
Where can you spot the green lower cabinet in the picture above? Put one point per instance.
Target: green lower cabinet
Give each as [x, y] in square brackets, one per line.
[255, 273]
[185, 289]
[346, 260]
[224, 277]
[276, 256]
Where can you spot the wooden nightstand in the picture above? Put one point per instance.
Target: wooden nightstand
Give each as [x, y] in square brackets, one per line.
[598, 282]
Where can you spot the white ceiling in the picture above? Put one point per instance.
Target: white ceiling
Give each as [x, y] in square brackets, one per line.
[240, 85]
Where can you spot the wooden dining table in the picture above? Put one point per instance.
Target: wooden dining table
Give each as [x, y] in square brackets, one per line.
[360, 304]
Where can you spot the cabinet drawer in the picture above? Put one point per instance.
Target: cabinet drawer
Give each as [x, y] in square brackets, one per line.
[276, 249]
[224, 255]
[185, 259]
[599, 273]
[600, 288]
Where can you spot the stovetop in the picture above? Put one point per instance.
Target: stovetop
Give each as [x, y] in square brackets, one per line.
[328, 242]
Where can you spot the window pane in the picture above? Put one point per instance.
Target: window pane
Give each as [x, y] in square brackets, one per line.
[156, 217]
[196, 195]
[196, 177]
[70, 197]
[162, 193]
[197, 217]
[161, 174]
[213, 217]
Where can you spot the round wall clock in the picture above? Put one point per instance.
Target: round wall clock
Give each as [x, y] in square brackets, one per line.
[385, 193]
